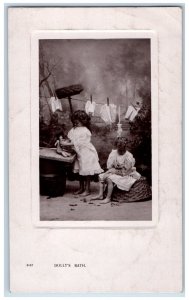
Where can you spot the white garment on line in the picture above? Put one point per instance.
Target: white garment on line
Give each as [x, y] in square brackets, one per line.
[90, 107]
[132, 112]
[113, 112]
[55, 104]
[108, 113]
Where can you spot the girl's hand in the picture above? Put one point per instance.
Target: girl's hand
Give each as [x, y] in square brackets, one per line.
[112, 171]
[66, 143]
[126, 172]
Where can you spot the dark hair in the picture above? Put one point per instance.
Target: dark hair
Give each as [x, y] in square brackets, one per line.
[123, 140]
[82, 117]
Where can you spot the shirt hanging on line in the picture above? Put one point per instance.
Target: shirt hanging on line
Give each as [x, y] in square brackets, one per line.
[90, 107]
[55, 104]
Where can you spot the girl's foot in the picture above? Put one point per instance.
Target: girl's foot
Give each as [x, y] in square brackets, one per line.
[80, 191]
[97, 197]
[106, 200]
[85, 193]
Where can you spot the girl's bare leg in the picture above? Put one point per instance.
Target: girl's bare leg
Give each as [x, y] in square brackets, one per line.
[87, 186]
[101, 191]
[81, 186]
[109, 194]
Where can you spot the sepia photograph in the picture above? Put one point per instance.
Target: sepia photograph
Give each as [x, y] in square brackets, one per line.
[95, 129]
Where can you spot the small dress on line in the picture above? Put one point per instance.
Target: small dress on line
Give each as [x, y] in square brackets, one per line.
[90, 107]
[125, 166]
[87, 162]
[108, 113]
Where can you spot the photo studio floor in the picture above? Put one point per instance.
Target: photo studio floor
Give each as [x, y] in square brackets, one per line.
[79, 208]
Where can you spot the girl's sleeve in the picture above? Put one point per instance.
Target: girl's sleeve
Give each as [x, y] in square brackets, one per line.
[111, 159]
[84, 137]
[69, 135]
[129, 161]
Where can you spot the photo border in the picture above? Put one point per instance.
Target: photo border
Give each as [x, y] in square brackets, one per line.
[90, 34]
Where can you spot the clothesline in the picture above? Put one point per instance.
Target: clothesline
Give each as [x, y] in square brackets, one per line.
[98, 103]
[77, 99]
[108, 112]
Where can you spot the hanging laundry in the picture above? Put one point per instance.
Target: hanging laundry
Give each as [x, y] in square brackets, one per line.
[90, 107]
[105, 114]
[55, 104]
[113, 112]
[132, 112]
[108, 113]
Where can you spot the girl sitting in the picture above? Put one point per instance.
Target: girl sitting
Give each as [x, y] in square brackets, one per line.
[121, 171]
[87, 162]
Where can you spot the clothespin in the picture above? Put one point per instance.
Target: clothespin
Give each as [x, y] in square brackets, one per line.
[108, 101]
[54, 93]
[91, 98]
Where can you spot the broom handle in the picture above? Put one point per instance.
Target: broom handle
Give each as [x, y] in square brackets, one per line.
[70, 103]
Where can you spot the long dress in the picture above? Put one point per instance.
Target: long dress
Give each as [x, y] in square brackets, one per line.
[124, 164]
[87, 162]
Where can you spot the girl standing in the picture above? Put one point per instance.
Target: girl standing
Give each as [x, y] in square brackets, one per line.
[87, 162]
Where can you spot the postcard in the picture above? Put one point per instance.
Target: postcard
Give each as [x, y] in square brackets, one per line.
[95, 112]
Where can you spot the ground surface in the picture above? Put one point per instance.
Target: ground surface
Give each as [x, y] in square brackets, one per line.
[70, 207]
